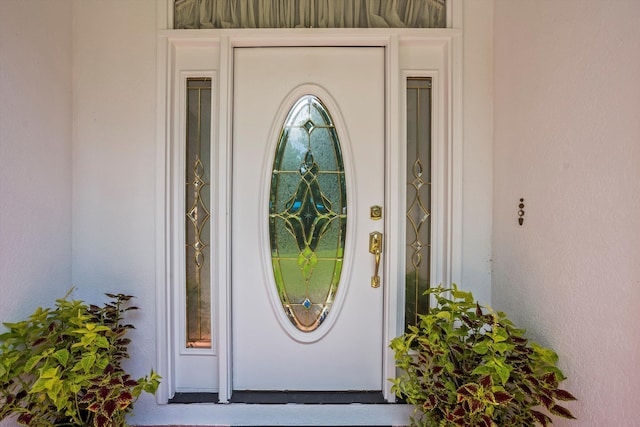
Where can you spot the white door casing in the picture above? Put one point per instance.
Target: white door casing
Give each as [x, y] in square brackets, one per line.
[409, 52]
[345, 352]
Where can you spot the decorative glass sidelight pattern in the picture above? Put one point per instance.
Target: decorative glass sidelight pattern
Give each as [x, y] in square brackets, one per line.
[197, 213]
[307, 214]
[418, 214]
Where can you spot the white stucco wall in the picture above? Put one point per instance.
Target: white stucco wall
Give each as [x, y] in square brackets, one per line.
[478, 138]
[567, 139]
[114, 75]
[35, 155]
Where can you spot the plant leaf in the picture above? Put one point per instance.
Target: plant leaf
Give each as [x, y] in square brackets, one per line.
[561, 412]
[102, 342]
[88, 361]
[62, 356]
[481, 347]
[101, 421]
[543, 419]
[500, 334]
[485, 381]
[479, 312]
[548, 403]
[50, 373]
[503, 347]
[563, 395]
[467, 391]
[502, 397]
[482, 370]
[32, 362]
[109, 407]
[444, 315]
[503, 371]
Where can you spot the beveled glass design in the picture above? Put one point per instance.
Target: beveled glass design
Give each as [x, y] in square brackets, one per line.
[418, 215]
[307, 214]
[197, 213]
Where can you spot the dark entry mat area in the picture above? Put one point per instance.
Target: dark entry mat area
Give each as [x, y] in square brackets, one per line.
[194, 398]
[309, 397]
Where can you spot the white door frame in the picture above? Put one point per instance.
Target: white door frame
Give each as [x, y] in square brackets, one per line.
[436, 53]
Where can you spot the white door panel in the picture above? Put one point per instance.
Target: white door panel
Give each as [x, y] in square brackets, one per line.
[345, 352]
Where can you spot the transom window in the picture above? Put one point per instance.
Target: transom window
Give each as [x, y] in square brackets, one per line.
[194, 14]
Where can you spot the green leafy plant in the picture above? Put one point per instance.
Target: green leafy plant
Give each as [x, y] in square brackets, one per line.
[62, 366]
[466, 365]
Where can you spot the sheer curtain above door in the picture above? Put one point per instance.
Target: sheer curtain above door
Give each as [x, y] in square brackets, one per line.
[194, 14]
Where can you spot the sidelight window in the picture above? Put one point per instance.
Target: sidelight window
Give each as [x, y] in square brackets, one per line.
[418, 213]
[198, 213]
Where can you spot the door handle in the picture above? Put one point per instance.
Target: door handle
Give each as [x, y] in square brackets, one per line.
[375, 247]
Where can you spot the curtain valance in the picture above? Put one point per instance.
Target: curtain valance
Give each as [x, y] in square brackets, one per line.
[309, 14]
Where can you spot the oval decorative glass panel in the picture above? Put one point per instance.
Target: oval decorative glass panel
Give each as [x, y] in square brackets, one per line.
[307, 214]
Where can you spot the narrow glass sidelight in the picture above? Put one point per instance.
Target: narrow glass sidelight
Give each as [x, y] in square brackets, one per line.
[418, 213]
[197, 213]
[307, 214]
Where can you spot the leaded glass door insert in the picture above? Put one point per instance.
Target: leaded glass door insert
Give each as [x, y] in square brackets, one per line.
[308, 162]
[307, 214]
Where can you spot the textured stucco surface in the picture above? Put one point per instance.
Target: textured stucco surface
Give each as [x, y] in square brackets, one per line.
[35, 155]
[114, 76]
[477, 159]
[567, 139]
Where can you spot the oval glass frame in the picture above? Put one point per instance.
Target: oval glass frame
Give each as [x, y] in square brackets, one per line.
[280, 310]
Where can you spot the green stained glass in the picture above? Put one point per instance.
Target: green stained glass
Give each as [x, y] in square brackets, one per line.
[307, 213]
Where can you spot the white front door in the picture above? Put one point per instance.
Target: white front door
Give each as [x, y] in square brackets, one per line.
[282, 341]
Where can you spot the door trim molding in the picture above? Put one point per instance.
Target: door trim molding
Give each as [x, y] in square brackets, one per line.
[442, 47]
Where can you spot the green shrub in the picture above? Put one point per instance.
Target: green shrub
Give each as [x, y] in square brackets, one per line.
[465, 366]
[62, 366]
